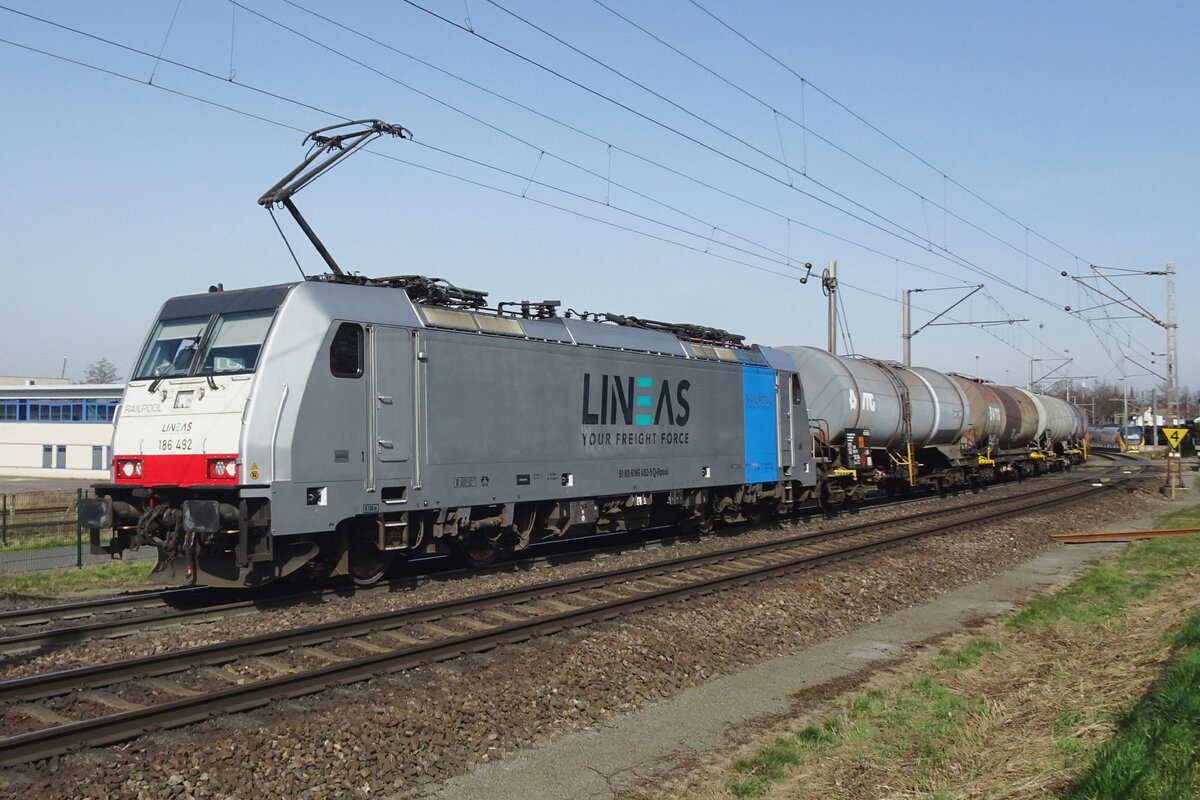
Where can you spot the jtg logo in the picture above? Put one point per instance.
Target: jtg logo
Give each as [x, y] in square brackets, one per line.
[634, 400]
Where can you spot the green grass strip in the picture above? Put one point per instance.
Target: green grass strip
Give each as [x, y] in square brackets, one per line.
[1155, 753]
[773, 763]
[920, 720]
[1108, 588]
[53, 583]
[39, 542]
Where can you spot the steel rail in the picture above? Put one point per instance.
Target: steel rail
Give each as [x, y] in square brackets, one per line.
[120, 726]
[200, 609]
[43, 615]
[47, 684]
[1120, 536]
[30, 641]
[18, 617]
[34, 640]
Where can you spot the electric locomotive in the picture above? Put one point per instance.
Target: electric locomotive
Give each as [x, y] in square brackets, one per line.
[332, 424]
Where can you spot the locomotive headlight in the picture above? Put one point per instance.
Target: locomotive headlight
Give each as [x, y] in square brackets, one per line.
[222, 468]
[128, 467]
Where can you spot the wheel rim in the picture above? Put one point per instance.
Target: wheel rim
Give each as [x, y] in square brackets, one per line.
[479, 550]
[368, 564]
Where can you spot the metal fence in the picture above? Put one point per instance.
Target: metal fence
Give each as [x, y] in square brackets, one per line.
[40, 531]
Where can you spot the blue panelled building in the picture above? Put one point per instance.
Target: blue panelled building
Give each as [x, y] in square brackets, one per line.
[56, 429]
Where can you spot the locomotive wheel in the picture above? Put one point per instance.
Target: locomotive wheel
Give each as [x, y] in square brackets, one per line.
[368, 564]
[479, 548]
[759, 513]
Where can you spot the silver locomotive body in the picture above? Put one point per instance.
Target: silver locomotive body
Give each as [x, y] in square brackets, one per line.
[370, 425]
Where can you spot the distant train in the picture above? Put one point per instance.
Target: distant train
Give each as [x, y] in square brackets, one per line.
[1120, 438]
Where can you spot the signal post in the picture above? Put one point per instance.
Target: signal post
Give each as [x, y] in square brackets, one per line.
[1175, 437]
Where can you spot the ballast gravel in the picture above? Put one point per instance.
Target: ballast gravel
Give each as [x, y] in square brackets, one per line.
[396, 735]
[436, 589]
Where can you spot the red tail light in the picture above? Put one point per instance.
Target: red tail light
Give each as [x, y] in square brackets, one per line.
[128, 468]
[222, 469]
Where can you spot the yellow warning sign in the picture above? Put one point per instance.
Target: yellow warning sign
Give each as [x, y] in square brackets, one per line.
[1175, 436]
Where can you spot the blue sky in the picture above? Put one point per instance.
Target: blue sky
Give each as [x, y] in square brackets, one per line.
[1078, 121]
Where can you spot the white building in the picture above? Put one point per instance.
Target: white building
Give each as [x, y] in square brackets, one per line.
[56, 429]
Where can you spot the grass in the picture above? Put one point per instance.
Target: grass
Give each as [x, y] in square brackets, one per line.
[53, 583]
[1155, 753]
[771, 764]
[1186, 518]
[1110, 587]
[967, 656]
[1067, 671]
[917, 721]
[38, 541]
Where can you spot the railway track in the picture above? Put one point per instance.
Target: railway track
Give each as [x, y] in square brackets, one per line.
[54, 712]
[47, 627]
[41, 629]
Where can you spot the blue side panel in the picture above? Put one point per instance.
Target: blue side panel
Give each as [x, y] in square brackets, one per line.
[758, 414]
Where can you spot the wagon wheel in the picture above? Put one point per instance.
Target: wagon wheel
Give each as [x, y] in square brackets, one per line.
[367, 563]
[825, 501]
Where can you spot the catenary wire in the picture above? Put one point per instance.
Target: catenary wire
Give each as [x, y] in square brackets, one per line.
[946, 178]
[947, 255]
[308, 106]
[805, 82]
[611, 146]
[834, 145]
[406, 162]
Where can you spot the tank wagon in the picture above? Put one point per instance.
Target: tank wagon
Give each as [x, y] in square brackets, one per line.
[899, 427]
[332, 424]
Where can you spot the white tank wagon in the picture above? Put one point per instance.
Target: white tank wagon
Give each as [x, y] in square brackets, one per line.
[903, 427]
[858, 393]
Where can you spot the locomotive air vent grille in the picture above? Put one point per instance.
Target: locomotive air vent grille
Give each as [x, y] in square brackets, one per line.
[445, 318]
[500, 325]
[725, 354]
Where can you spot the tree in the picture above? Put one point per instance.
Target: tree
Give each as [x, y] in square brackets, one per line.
[101, 371]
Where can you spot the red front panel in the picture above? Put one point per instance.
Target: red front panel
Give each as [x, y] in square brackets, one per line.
[174, 470]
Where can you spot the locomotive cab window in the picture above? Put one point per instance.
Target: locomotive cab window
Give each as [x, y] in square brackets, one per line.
[235, 342]
[216, 344]
[346, 351]
[172, 348]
